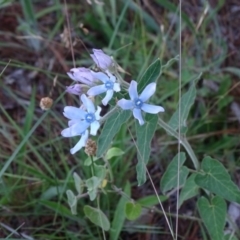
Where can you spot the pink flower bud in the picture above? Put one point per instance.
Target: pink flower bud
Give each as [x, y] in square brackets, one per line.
[74, 89]
[101, 59]
[82, 75]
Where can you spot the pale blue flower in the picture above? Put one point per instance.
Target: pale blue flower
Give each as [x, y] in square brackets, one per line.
[137, 103]
[81, 143]
[80, 119]
[109, 86]
[101, 59]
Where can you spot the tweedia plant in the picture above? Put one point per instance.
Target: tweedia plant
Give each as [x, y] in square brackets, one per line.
[107, 80]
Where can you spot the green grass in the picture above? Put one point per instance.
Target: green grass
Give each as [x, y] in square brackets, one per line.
[36, 166]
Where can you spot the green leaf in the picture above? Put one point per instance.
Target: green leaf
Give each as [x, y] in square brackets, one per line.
[132, 210]
[88, 161]
[216, 179]
[151, 75]
[100, 171]
[213, 214]
[97, 217]
[72, 201]
[57, 207]
[148, 19]
[119, 217]
[51, 192]
[114, 152]
[170, 177]
[78, 183]
[230, 237]
[92, 186]
[151, 200]
[187, 101]
[144, 136]
[232, 70]
[110, 129]
[189, 190]
[224, 102]
[28, 10]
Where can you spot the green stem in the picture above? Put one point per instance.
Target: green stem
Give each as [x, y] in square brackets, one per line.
[79, 196]
[123, 83]
[92, 166]
[183, 141]
[109, 170]
[121, 192]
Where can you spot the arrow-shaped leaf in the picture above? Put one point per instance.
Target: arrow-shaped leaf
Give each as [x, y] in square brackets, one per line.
[170, 177]
[216, 179]
[213, 214]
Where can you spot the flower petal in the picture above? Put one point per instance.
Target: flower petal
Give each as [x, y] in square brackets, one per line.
[94, 59]
[152, 108]
[125, 104]
[94, 128]
[133, 90]
[81, 74]
[100, 76]
[98, 112]
[75, 129]
[88, 103]
[70, 74]
[71, 122]
[108, 97]
[148, 91]
[66, 132]
[81, 143]
[111, 76]
[101, 59]
[74, 112]
[74, 89]
[96, 90]
[138, 115]
[116, 87]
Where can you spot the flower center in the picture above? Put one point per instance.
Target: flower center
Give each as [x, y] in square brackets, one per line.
[138, 103]
[109, 85]
[90, 117]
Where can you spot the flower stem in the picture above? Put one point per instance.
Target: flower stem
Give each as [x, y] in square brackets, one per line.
[98, 206]
[182, 140]
[122, 82]
[92, 166]
[109, 170]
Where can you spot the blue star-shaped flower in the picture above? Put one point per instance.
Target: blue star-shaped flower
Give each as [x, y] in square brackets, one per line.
[137, 103]
[80, 120]
[109, 86]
